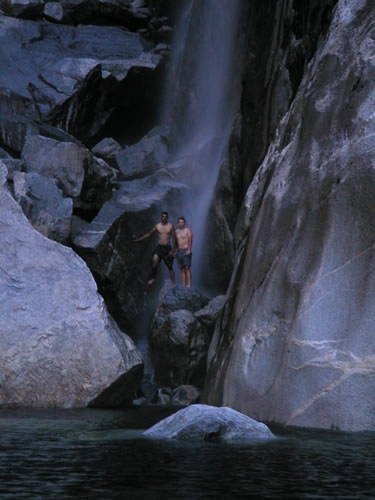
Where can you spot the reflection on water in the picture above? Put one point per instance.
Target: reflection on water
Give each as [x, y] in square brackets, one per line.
[102, 454]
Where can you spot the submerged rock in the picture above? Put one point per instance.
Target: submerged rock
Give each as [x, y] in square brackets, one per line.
[209, 423]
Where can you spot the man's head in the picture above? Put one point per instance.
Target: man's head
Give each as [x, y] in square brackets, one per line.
[164, 217]
[181, 222]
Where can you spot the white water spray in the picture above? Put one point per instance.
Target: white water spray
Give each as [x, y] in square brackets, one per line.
[201, 99]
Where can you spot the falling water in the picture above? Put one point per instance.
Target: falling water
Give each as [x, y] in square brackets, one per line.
[201, 99]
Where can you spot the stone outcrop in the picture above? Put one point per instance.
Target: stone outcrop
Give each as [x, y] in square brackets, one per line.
[294, 343]
[179, 349]
[59, 346]
[179, 340]
[208, 423]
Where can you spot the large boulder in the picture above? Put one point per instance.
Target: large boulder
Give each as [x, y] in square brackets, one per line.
[143, 158]
[58, 345]
[79, 173]
[294, 344]
[208, 423]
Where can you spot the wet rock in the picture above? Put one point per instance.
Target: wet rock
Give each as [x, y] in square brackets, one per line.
[143, 158]
[209, 313]
[208, 423]
[178, 297]
[179, 350]
[185, 395]
[164, 396]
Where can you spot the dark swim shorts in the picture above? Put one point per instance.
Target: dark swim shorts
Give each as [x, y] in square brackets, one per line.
[163, 252]
[183, 259]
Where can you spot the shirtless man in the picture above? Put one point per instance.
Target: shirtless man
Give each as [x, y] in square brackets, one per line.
[184, 237]
[164, 250]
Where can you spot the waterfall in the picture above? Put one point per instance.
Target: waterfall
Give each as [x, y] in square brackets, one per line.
[201, 99]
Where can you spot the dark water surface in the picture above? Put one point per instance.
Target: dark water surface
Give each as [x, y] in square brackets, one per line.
[102, 454]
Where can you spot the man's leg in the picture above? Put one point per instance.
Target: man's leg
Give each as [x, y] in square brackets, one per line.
[171, 274]
[155, 263]
[183, 276]
[188, 276]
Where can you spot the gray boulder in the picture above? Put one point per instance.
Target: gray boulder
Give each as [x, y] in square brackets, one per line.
[43, 204]
[58, 345]
[53, 11]
[179, 297]
[78, 172]
[107, 149]
[208, 423]
[143, 158]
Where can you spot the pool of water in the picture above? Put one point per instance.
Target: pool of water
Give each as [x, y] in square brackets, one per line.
[102, 454]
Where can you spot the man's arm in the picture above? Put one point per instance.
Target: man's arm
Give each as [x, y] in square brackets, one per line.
[146, 235]
[174, 239]
[190, 241]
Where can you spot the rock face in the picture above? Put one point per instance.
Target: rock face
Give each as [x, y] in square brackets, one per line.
[294, 344]
[208, 423]
[179, 341]
[59, 346]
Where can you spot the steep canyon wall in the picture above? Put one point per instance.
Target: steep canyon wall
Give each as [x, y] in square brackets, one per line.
[294, 344]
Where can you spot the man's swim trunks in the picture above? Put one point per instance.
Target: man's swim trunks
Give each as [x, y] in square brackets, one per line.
[163, 252]
[183, 259]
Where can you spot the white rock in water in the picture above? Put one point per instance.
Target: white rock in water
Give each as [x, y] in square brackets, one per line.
[209, 423]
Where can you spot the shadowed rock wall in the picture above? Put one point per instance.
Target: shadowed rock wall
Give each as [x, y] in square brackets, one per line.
[279, 39]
